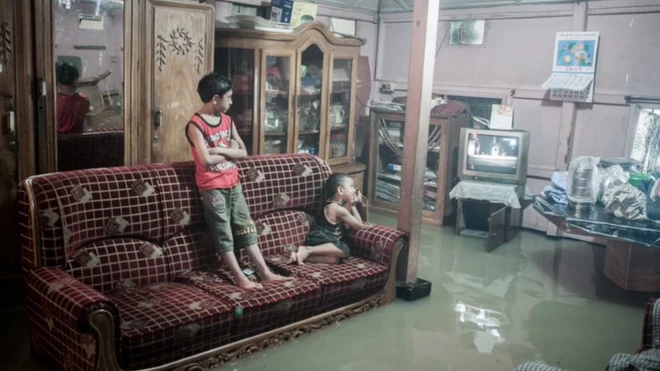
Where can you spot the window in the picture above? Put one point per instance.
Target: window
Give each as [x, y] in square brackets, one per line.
[646, 143]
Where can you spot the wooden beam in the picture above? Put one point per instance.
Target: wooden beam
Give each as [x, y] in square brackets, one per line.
[418, 115]
[568, 113]
[569, 109]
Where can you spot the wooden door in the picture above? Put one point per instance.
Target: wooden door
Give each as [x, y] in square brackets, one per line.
[179, 52]
[497, 225]
[16, 117]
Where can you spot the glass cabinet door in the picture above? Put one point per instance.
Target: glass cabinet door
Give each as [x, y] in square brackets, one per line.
[339, 113]
[310, 101]
[238, 66]
[277, 95]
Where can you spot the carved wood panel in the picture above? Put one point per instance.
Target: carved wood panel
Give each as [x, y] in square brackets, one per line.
[182, 52]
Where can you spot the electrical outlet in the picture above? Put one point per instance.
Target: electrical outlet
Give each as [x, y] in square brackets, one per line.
[386, 87]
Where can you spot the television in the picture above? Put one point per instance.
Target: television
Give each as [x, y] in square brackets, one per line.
[498, 156]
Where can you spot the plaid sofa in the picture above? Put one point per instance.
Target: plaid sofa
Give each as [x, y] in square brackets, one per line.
[647, 357]
[121, 273]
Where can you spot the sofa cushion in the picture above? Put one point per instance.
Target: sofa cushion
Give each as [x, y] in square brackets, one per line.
[282, 182]
[119, 262]
[341, 284]
[179, 198]
[278, 229]
[190, 250]
[164, 322]
[277, 304]
[80, 207]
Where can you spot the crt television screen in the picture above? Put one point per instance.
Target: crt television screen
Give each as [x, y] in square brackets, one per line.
[492, 153]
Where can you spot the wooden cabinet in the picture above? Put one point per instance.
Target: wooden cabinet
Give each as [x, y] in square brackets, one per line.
[293, 92]
[387, 128]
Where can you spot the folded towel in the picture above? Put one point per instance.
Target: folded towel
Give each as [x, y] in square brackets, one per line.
[557, 195]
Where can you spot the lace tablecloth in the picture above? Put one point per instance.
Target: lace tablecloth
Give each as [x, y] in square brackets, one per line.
[491, 192]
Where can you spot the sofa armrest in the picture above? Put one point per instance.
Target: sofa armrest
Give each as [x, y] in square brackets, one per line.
[375, 243]
[651, 324]
[66, 298]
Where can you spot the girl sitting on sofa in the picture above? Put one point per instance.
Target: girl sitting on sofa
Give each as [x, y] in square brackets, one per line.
[324, 244]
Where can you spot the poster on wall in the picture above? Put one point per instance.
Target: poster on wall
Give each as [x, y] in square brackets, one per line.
[575, 52]
[302, 13]
[468, 32]
[573, 67]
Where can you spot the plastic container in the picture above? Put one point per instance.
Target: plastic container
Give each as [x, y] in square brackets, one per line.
[581, 182]
[641, 181]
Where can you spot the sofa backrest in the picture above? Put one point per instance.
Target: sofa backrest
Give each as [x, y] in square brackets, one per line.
[61, 213]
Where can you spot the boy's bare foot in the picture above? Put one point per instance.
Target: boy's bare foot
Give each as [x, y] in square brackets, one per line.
[302, 254]
[248, 285]
[270, 276]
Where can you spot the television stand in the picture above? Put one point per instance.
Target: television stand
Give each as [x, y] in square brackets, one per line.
[489, 210]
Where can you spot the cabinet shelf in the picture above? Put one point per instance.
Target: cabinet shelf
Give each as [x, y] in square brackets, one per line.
[277, 92]
[338, 128]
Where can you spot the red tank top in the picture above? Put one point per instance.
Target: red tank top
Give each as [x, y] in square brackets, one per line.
[71, 111]
[220, 176]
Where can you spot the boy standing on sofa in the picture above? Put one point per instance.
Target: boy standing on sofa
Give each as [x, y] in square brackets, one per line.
[215, 143]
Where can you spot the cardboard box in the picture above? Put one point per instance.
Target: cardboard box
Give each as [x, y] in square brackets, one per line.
[281, 10]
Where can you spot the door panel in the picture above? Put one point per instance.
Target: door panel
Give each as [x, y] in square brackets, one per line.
[88, 42]
[342, 98]
[497, 224]
[181, 53]
[16, 111]
[239, 65]
[276, 125]
[311, 100]
[8, 176]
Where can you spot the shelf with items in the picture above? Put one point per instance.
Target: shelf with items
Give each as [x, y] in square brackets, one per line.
[386, 156]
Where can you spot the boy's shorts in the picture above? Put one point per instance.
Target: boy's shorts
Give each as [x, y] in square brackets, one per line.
[228, 219]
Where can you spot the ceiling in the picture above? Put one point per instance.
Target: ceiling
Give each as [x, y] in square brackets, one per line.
[398, 6]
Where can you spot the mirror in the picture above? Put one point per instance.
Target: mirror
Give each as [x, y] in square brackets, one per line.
[88, 52]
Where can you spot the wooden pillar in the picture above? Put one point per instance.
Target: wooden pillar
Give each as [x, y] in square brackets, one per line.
[418, 114]
[569, 109]
[564, 153]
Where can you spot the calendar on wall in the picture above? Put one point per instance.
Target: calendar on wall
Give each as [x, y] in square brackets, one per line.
[574, 67]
